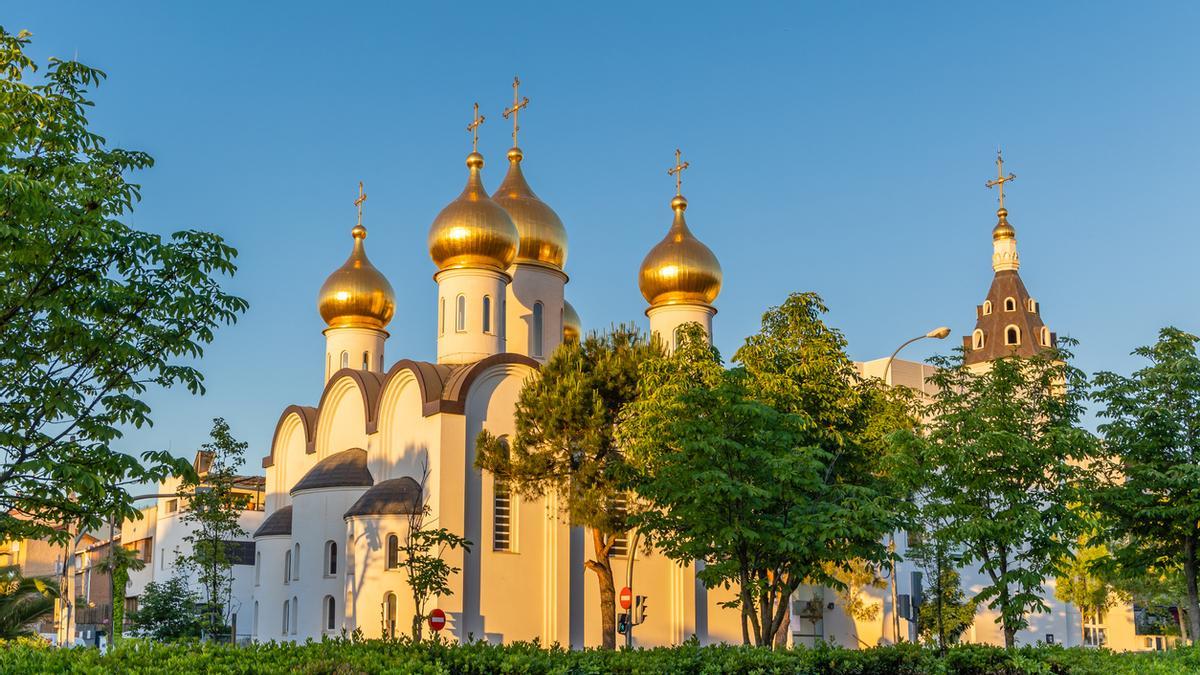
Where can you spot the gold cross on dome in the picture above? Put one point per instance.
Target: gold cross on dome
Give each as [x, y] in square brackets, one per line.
[1001, 179]
[677, 171]
[362, 197]
[518, 104]
[473, 127]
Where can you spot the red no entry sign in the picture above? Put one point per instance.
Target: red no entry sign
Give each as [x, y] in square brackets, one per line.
[626, 597]
[437, 620]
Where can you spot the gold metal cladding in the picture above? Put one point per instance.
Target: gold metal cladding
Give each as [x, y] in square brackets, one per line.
[473, 230]
[572, 326]
[1002, 230]
[518, 104]
[543, 238]
[357, 295]
[680, 269]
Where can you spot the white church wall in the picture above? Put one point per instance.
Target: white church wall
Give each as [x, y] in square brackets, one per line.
[341, 425]
[317, 520]
[269, 587]
[291, 462]
[403, 445]
[370, 580]
[533, 284]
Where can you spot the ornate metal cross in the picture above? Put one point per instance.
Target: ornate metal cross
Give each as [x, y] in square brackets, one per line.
[518, 104]
[473, 127]
[362, 197]
[1001, 179]
[677, 171]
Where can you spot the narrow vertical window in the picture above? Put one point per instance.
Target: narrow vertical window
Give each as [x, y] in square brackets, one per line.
[1045, 336]
[287, 615]
[257, 568]
[977, 339]
[330, 606]
[460, 314]
[331, 558]
[254, 626]
[441, 316]
[296, 563]
[393, 551]
[345, 359]
[502, 517]
[287, 567]
[366, 361]
[389, 613]
[487, 313]
[295, 613]
[536, 336]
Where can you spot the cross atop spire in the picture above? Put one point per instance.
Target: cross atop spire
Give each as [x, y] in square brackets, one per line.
[362, 197]
[518, 104]
[677, 171]
[1000, 179]
[473, 127]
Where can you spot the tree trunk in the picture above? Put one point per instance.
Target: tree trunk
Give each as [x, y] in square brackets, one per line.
[602, 566]
[120, 580]
[417, 628]
[1179, 616]
[1189, 572]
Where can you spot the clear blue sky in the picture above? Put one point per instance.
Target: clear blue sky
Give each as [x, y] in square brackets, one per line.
[841, 149]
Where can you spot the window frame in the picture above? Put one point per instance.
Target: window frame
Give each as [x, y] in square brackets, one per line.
[1009, 330]
[460, 313]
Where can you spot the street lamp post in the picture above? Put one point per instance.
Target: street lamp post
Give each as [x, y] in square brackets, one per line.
[939, 333]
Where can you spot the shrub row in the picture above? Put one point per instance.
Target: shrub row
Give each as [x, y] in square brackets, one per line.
[347, 657]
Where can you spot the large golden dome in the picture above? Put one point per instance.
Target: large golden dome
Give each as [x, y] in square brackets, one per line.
[357, 295]
[543, 237]
[1003, 230]
[572, 326]
[680, 269]
[473, 230]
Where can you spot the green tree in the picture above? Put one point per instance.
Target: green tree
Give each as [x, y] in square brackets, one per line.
[1150, 496]
[421, 551]
[23, 602]
[214, 506]
[773, 473]
[1082, 583]
[92, 311]
[946, 612]
[117, 565]
[564, 443]
[168, 610]
[999, 468]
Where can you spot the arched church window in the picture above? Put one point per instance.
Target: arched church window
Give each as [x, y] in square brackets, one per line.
[987, 307]
[1010, 304]
[257, 568]
[330, 558]
[330, 616]
[287, 567]
[536, 335]
[393, 551]
[1012, 335]
[295, 613]
[1033, 306]
[460, 314]
[389, 614]
[503, 511]
[254, 626]
[441, 316]
[287, 615]
[487, 313]
[366, 361]
[296, 563]
[345, 359]
[977, 339]
[381, 363]
[1045, 336]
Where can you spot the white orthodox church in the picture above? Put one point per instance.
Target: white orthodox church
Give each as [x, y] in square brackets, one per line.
[342, 475]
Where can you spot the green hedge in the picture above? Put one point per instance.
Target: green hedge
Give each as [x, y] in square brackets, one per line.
[346, 657]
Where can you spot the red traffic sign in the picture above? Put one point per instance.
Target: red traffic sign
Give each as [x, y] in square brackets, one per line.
[626, 597]
[437, 620]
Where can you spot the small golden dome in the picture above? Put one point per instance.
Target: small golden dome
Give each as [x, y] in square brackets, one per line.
[357, 295]
[680, 269]
[473, 230]
[572, 326]
[543, 237]
[1003, 230]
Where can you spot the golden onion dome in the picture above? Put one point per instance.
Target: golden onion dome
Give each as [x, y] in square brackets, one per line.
[680, 269]
[543, 237]
[357, 295]
[1003, 230]
[473, 230]
[572, 326]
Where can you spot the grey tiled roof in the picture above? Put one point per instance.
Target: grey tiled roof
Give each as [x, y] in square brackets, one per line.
[389, 497]
[344, 469]
[277, 523]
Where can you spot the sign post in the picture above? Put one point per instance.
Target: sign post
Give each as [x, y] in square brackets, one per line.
[626, 597]
[437, 620]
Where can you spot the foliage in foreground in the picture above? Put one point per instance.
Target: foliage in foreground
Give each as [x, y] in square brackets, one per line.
[403, 656]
